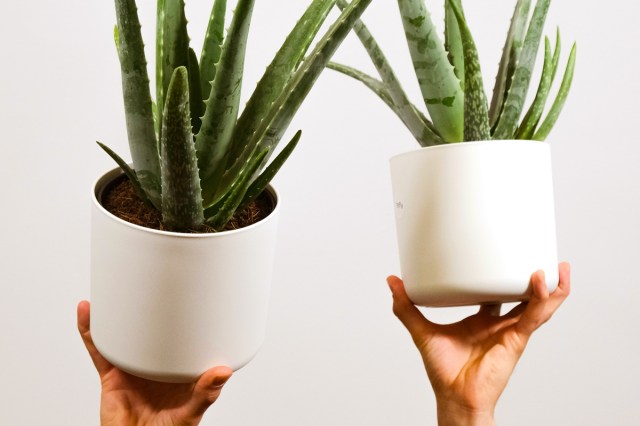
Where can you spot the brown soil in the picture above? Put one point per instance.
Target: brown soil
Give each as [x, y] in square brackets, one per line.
[120, 199]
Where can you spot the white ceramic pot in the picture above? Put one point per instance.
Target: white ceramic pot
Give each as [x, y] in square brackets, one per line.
[474, 221]
[168, 306]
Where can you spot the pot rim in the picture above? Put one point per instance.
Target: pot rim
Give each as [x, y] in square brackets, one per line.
[460, 145]
[100, 183]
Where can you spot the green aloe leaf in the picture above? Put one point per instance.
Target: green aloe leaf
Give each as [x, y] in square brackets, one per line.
[440, 87]
[420, 127]
[195, 92]
[476, 113]
[174, 50]
[375, 85]
[556, 55]
[510, 55]
[137, 98]
[297, 89]
[269, 173]
[427, 138]
[532, 118]
[131, 174]
[160, 88]
[279, 73]
[288, 103]
[546, 126]
[116, 37]
[181, 193]
[513, 105]
[211, 211]
[453, 41]
[156, 119]
[277, 120]
[214, 138]
[237, 192]
[212, 47]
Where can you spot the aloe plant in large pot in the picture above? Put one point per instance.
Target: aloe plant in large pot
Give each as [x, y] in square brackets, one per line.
[171, 302]
[473, 219]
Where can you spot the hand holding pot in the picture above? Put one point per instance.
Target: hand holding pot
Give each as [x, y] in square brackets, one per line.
[469, 363]
[127, 399]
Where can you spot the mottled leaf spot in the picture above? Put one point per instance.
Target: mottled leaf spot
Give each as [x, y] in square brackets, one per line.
[422, 46]
[417, 21]
[448, 102]
[433, 101]
[426, 44]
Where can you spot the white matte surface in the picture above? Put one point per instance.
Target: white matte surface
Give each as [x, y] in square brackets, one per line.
[167, 306]
[474, 220]
[334, 353]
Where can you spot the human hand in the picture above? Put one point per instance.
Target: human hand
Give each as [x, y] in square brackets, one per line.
[129, 400]
[469, 362]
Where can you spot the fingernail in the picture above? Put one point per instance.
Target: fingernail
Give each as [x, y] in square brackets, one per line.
[219, 381]
[390, 285]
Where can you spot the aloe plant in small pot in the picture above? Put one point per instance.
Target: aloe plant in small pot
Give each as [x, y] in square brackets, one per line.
[171, 302]
[473, 219]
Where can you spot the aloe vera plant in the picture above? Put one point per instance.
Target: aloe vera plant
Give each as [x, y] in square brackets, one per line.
[450, 78]
[196, 157]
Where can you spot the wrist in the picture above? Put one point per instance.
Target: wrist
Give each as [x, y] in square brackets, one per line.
[454, 414]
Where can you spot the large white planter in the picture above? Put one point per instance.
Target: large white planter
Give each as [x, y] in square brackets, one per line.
[474, 221]
[168, 306]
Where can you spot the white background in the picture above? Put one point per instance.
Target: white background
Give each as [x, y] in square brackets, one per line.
[334, 354]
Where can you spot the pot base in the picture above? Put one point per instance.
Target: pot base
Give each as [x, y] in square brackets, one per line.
[476, 292]
[165, 376]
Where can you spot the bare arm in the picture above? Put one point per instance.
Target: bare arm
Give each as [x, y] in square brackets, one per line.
[470, 362]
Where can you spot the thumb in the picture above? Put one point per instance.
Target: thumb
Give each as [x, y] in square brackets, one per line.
[208, 387]
[84, 327]
[413, 320]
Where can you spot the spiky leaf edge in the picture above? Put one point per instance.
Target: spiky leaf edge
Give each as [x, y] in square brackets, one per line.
[418, 124]
[277, 120]
[270, 172]
[181, 193]
[278, 74]
[131, 174]
[232, 200]
[507, 123]
[172, 46]
[453, 41]
[195, 92]
[476, 110]
[547, 125]
[222, 106]
[509, 59]
[143, 144]
[384, 93]
[212, 46]
[532, 117]
[441, 90]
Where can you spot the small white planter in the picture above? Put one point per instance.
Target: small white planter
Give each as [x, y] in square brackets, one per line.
[168, 306]
[474, 221]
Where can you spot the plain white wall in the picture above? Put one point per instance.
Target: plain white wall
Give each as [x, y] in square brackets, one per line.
[334, 354]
